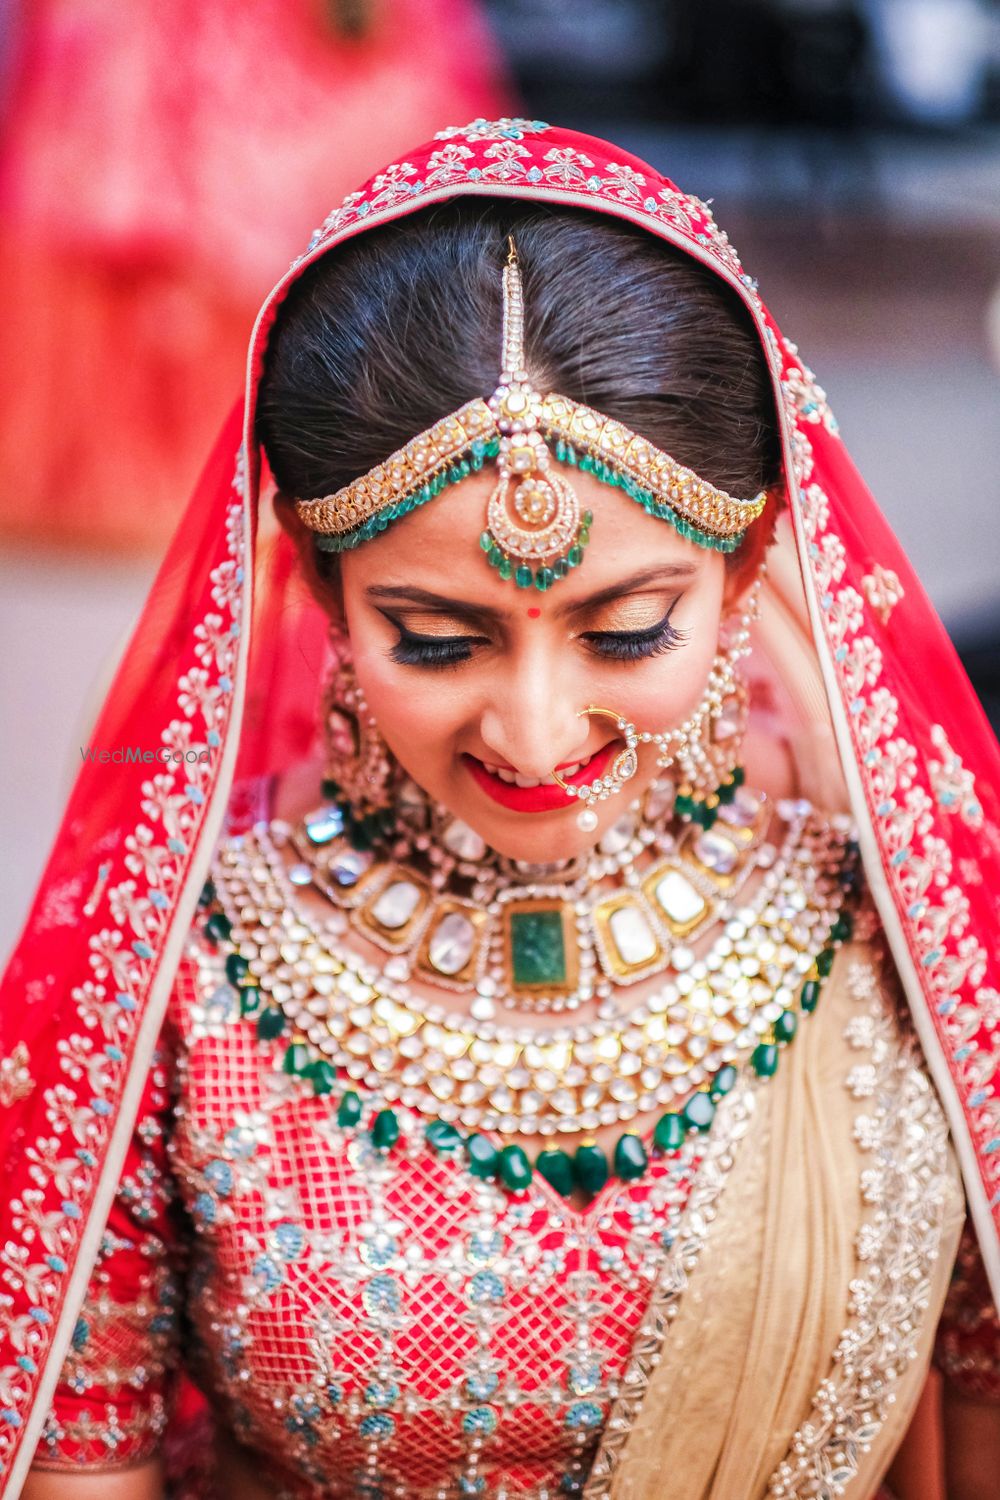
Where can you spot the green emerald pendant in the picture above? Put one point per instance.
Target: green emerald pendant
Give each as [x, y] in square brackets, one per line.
[537, 948]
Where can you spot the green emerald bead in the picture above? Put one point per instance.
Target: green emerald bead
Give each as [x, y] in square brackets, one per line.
[544, 579]
[218, 927]
[786, 1026]
[726, 793]
[630, 1157]
[739, 775]
[250, 1000]
[270, 1023]
[207, 894]
[669, 1133]
[561, 451]
[523, 577]
[590, 1168]
[515, 1169]
[322, 1075]
[349, 1109]
[443, 1136]
[464, 469]
[824, 962]
[583, 535]
[588, 518]
[483, 1156]
[557, 1169]
[494, 557]
[236, 967]
[485, 541]
[296, 1058]
[575, 556]
[506, 568]
[329, 789]
[385, 1130]
[764, 1060]
[684, 805]
[843, 929]
[723, 1082]
[699, 1112]
[561, 568]
[809, 998]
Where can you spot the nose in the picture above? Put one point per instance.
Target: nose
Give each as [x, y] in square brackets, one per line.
[532, 721]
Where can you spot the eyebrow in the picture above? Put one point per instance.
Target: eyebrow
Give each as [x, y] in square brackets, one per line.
[404, 594]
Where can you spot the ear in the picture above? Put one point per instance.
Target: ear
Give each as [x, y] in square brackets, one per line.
[321, 572]
[744, 565]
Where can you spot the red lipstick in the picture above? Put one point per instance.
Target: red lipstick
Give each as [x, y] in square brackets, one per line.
[542, 798]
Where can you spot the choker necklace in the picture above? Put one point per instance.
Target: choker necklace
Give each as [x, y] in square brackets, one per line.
[294, 976]
[455, 915]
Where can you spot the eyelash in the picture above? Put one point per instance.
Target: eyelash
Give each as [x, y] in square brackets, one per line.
[637, 645]
[617, 645]
[427, 651]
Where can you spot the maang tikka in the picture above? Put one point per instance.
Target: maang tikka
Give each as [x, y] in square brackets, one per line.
[536, 529]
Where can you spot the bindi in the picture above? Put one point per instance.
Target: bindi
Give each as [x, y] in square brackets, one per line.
[534, 612]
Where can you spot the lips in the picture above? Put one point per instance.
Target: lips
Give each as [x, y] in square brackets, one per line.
[542, 798]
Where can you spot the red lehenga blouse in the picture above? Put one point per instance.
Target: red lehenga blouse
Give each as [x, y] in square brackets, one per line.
[369, 1323]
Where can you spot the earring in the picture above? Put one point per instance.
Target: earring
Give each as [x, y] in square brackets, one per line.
[705, 749]
[622, 769]
[359, 765]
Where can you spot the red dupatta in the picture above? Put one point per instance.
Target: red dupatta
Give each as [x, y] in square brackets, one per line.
[217, 682]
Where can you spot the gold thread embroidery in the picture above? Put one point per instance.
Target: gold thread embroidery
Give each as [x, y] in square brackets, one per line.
[905, 1134]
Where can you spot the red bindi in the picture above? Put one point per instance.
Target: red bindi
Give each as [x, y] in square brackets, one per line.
[534, 612]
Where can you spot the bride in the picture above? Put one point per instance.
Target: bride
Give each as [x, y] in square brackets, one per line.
[536, 1035]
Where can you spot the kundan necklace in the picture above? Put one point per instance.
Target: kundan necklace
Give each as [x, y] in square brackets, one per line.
[538, 938]
[734, 1005]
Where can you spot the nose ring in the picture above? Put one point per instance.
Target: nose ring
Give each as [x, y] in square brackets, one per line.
[621, 769]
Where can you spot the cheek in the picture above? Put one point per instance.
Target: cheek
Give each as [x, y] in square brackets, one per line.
[414, 711]
[665, 690]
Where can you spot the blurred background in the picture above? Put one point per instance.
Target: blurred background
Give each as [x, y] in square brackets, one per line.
[161, 161]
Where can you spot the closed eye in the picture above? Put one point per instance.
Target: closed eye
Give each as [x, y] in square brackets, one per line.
[636, 645]
[416, 650]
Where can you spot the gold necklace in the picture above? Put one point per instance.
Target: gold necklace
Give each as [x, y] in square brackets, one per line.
[535, 938]
[297, 977]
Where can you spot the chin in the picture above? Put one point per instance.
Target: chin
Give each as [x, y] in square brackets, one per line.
[537, 838]
[543, 838]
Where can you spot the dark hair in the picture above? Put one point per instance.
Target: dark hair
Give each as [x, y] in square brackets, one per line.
[384, 336]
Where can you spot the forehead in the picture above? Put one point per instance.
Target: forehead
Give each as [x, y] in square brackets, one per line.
[437, 545]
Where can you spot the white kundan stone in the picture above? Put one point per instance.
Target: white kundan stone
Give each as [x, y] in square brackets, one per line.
[680, 902]
[451, 943]
[396, 905]
[632, 936]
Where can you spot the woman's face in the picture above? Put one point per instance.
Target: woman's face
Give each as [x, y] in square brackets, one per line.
[469, 676]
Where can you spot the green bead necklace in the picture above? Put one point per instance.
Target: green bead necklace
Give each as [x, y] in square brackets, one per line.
[588, 1167]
